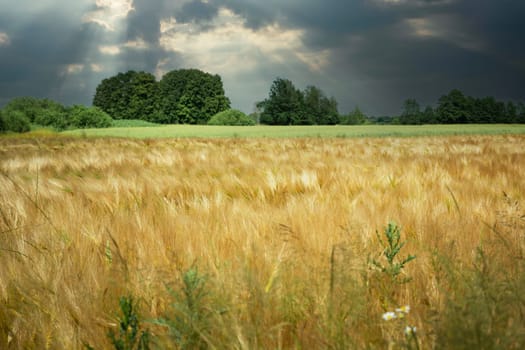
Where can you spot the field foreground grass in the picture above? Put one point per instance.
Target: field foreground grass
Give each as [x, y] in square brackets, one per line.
[262, 243]
[340, 131]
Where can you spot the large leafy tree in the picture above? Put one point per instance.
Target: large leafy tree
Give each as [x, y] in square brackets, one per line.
[130, 95]
[284, 105]
[354, 118]
[318, 108]
[14, 121]
[454, 108]
[520, 110]
[190, 96]
[3, 127]
[458, 108]
[411, 112]
[429, 116]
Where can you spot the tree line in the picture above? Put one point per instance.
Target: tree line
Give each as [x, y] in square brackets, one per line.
[22, 112]
[286, 105]
[191, 96]
[186, 96]
[457, 108]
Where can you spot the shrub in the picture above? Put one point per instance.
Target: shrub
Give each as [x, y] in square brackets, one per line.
[2, 124]
[89, 117]
[231, 117]
[32, 107]
[54, 118]
[15, 121]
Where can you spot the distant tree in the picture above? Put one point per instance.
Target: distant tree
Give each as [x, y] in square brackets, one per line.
[15, 121]
[284, 105]
[313, 97]
[32, 107]
[329, 112]
[384, 119]
[453, 108]
[521, 112]
[354, 118]
[395, 120]
[500, 113]
[231, 117]
[190, 96]
[411, 112]
[28, 106]
[43, 112]
[257, 111]
[130, 95]
[429, 116]
[511, 112]
[287, 105]
[3, 127]
[319, 109]
[53, 117]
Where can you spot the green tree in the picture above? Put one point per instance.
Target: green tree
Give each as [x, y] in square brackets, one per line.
[15, 121]
[3, 127]
[511, 112]
[284, 105]
[190, 96]
[429, 116]
[329, 112]
[257, 111]
[521, 112]
[52, 117]
[453, 108]
[32, 107]
[313, 97]
[318, 108]
[28, 106]
[355, 117]
[130, 95]
[411, 112]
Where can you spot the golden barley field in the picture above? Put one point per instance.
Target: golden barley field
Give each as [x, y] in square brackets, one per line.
[283, 240]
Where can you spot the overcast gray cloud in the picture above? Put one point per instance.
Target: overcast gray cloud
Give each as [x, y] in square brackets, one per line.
[371, 53]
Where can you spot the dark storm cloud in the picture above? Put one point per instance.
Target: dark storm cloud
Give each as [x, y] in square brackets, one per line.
[39, 49]
[197, 11]
[387, 58]
[379, 52]
[144, 21]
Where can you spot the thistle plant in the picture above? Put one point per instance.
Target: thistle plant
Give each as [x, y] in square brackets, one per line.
[391, 247]
[130, 336]
[398, 331]
[190, 323]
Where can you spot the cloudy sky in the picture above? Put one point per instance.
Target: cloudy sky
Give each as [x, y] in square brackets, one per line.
[370, 53]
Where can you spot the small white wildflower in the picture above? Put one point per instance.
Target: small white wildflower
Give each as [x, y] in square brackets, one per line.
[404, 309]
[410, 330]
[387, 316]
